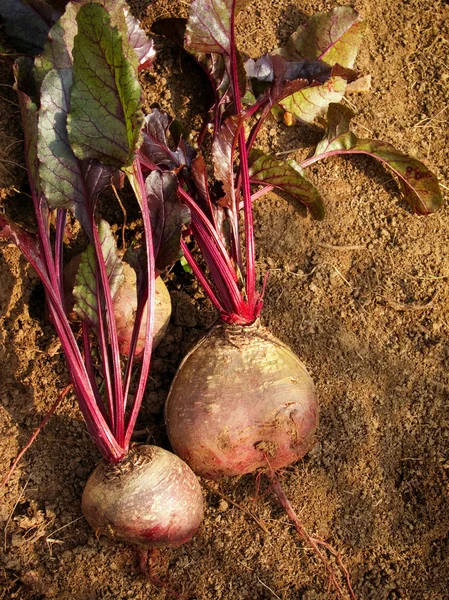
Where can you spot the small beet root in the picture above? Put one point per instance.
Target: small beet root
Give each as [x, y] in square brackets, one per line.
[125, 306]
[152, 498]
[241, 400]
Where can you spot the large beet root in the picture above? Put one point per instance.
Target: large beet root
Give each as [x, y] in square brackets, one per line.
[240, 400]
[125, 306]
[151, 498]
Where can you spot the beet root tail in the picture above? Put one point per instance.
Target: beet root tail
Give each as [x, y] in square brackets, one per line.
[317, 544]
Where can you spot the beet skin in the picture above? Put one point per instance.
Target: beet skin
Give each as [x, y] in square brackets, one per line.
[152, 498]
[241, 400]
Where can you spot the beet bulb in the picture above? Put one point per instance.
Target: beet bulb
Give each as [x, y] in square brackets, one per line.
[125, 306]
[241, 400]
[152, 498]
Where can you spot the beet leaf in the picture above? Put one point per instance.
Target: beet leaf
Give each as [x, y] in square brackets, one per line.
[210, 26]
[139, 41]
[66, 181]
[85, 290]
[168, 217]
[287, 176]
[155, 151]
[309, 103]
[105, 117]
[334, 37]
[419, 186]
[59, 169]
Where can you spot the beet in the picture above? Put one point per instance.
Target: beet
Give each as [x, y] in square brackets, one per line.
[125, 306]
[240, 400]
[152, 498]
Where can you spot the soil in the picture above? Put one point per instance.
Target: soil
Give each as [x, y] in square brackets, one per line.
[361, 297]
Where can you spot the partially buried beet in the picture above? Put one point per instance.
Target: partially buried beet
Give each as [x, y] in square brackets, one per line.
[151, 498]
[240, 401]
[125, 306]
[140, 494]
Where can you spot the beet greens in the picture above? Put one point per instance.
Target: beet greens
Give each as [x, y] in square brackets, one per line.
[81, 109]
[303, 81]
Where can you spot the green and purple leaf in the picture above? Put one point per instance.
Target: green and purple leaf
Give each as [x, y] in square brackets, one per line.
[59, 169]
[287, 176]
[54, 56]
[143, 45]
[97, 176]
[418, 184]
[311, 102]
[66, 181]
[57, 53]
[155, 150]
[27, 23]
[106, 115]
[209, 25]
[333, 37]
[85, 290]
[168, 217]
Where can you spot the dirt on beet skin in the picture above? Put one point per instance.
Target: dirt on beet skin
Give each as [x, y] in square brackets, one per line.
[362, 298]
